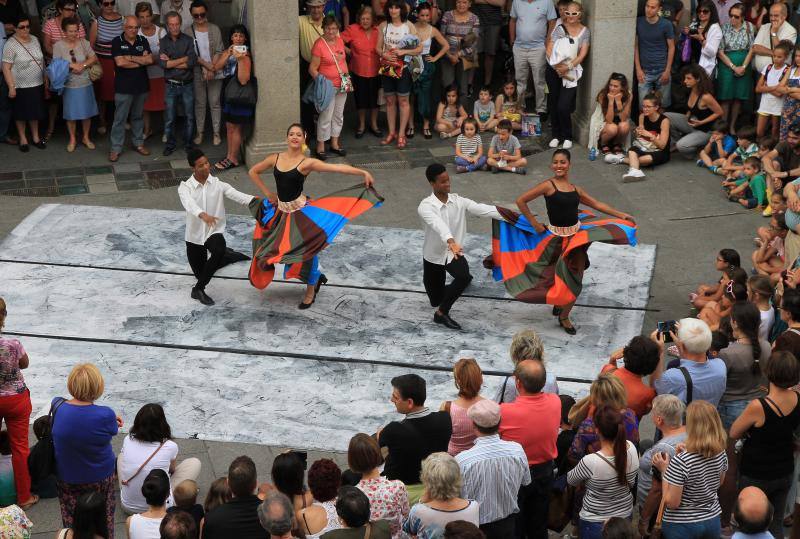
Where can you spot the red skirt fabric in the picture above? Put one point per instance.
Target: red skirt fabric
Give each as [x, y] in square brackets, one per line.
[155, 98]
[104, 88]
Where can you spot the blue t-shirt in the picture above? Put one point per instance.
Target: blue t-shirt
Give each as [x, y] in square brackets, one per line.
[653, 43]
[82, 438]
[729, 144]
[532, 18]
[334, 7]
[708, 380]
[762, 535]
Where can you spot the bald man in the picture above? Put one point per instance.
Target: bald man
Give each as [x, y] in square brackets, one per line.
[754, 515]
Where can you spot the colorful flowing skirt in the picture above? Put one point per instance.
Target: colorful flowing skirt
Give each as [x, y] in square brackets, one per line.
[296, 238]
[540, 268]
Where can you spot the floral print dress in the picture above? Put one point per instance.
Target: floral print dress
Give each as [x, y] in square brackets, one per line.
[388, 500]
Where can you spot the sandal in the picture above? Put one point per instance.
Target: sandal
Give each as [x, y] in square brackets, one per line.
[605, 148]
[377, 131]
[401, 142]
[410, 131]
[569, 329]
[427, 133]
[47, 137]
[617, 149]
[389, 139]
[30, 503]
[225, 164]
[360, 133]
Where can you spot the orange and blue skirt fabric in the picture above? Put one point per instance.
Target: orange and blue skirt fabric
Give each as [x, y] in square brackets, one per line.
[540, 268]
[295, 239]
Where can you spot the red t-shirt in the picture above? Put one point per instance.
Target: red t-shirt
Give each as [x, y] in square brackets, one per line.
[327, 67]
[640, 396]
[364, 59]
[533, 422]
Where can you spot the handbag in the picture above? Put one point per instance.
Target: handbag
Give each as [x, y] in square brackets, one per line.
[95, 70]
[241, 95]
[562, 500]
[43, 464]
[655, 533]
[126, 482]
[347, 82]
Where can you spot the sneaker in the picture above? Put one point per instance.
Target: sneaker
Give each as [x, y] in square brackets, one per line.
[198, 139]
[553, 143]
[217, 139]
[567, 144]
[767, 211]
[495, 170]
[461, 169]
[700, 163]
[633, 175]
[613, 158]
[521, 170]
[164, 138]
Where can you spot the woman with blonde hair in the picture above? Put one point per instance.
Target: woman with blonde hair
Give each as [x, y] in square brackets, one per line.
[468, 379]
[607, 390]
[525, 344]
[15, 410]
[440, 502]
[82, 433]
[693, 477]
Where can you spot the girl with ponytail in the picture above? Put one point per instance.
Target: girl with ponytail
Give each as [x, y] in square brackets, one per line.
[608, 474]
[760, 292]
[727, 259]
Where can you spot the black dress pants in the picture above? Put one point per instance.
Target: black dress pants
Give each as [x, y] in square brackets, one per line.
[560, 104]
[434, 277]
[534, 503]
[202, 265]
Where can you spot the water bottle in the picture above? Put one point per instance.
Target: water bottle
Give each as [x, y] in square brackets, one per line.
[592, 154]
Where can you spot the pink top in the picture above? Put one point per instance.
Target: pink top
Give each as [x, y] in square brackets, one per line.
[52, 28]
[11, 381]
[327, 67]
[388, 500]
[463, 436]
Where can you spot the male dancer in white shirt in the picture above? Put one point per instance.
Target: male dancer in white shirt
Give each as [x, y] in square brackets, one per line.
[444, 219]
[202, 197]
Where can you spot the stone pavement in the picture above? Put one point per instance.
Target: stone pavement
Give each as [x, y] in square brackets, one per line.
[680, 208]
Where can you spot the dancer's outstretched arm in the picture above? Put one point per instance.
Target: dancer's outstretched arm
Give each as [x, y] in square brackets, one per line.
[260, 168]
[315, 165]
[602, 206]
[525, 198]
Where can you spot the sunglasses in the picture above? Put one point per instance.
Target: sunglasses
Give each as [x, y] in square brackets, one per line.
[572, 13]
[706, 11]
[72, 56]
[111, 3]
[617, 76]
[23, 26]
[199, 15]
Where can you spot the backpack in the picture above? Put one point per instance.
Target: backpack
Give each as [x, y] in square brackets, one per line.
[42, 459]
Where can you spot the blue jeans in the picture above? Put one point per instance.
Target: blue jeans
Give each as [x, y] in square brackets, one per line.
[729, 411]
[705, 529]
[460, 161]
[185, 94]
[651, 84]
[125, 104]
[590, 530]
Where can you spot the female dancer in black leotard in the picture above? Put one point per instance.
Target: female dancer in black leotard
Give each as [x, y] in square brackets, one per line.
[286, 233]
[559, 282]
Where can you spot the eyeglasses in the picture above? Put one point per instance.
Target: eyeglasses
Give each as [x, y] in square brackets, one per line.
[72, 56]
[23, 26]
[132, 27]
[199, 15]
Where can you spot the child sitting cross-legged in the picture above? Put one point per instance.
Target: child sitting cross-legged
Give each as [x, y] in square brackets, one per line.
[469, 148]
[769, 258]
[450, 115]
[750, 189]
[484, 110]
[746, 146]
[778, 205]
[505, 151]
[721, 144]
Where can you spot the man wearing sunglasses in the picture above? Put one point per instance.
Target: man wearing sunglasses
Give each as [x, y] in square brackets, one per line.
[770, 35]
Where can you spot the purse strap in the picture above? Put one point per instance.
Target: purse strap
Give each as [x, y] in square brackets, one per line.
[661, 507]
[131, 478]
[369, 530]
[335, 61]
[44, 73]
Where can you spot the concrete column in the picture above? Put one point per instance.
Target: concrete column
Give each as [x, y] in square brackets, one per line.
[612, 24]
[274, 38]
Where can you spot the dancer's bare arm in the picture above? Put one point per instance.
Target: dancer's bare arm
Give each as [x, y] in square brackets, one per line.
[260, 168]
[526, 197]
[315, 165]
[602, 206]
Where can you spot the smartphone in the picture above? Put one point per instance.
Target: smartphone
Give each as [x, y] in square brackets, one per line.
[303, 456]
[665, 328]
[240, 48]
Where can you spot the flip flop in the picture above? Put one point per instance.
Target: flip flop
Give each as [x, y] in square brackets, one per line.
[34, 501]
[225, 164]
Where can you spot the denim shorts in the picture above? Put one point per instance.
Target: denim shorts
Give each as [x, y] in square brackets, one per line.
[729, 411]
[400, 87]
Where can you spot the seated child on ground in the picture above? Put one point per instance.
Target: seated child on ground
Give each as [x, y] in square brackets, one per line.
[751, 189]
[469, 148]
[714, 311]
[720, 145]
[44, 487]
[727, 259]
[769, 259]
[778, 205]
[505, 151]
[484, 110]
[746, 146]
[185, 495]
[507, 105]
[450, 114]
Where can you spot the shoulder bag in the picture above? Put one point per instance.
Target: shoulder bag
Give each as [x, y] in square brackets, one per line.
[655, 533]
[241, 95]
[95, 70]
[45, 465]
[390, 69]
[127, 481]
[347, 82]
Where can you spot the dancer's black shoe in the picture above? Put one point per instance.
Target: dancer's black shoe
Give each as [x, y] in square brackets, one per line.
[201, 296]
[570, 329]
[446, 321]
[322, 280]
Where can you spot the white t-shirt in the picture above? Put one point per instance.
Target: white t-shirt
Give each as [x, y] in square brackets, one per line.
[393, 34]
[767, 320]
[154, 71]
[131, 456]
[145, 528]
[771, 104]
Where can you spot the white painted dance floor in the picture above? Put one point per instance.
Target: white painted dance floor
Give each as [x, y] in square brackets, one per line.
[111, 286]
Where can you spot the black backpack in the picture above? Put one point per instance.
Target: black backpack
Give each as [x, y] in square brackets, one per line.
[42, 458]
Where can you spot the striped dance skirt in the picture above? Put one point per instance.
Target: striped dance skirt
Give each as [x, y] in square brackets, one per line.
[542, 268]
[295, 238]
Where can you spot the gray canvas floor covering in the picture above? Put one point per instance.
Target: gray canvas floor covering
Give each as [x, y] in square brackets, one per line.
[254, 368]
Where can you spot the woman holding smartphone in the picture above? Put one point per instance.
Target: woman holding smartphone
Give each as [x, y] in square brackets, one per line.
[235, 61]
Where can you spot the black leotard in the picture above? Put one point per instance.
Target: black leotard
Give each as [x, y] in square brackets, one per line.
[288, 183]
[562, 207]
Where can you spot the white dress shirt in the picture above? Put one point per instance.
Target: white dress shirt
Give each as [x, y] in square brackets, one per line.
[443, 221]
[207, 197]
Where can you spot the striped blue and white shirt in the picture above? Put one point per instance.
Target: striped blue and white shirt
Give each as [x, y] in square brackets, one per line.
[493, 472]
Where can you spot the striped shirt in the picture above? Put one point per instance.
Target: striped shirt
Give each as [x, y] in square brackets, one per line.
[493, 471]
[605, 497]
[699, 500]
[107, 30]
[468, 145]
